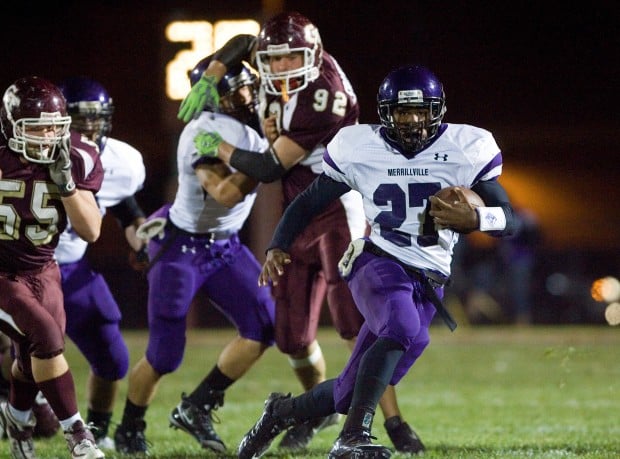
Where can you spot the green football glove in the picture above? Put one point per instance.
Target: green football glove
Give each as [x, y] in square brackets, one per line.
[207, 142]
[203, 93]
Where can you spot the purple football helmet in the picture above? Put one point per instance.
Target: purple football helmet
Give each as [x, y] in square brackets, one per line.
[283, 34]
[90, 107]
[411, 87]
[34, 119]
[237, 90]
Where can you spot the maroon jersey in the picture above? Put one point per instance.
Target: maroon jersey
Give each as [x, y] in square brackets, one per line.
[32, 215]
[312, 117]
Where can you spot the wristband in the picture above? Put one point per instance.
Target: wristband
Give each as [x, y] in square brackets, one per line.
[491, 218]
[67, 189]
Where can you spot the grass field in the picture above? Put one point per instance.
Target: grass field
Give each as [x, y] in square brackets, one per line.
[481, 392]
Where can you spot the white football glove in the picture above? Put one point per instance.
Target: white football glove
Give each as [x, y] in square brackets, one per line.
[60, 170]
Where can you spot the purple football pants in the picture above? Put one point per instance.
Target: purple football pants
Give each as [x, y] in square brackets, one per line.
[93, 319]
[395, 306]
[225, 270]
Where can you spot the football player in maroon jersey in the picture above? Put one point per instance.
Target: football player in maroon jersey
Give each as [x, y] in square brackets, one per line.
[48, 176]
[307, 99]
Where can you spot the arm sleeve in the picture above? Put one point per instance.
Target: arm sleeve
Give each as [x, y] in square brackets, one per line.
[264, 167]
[237, 49]
[127, 211]
[494, 195]
[309, 203]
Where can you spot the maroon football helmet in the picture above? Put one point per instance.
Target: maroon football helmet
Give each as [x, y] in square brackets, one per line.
[34, 120]
[283, 34]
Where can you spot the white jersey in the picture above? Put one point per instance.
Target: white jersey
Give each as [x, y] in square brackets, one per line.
[124, 175]
[193, 209]
[395, 189]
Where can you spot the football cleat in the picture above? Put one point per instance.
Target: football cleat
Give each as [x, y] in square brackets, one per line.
[19, 435]
[257, 441]
[130, 439]
[81, 442]
[404, 439]
[198, 422]
[105, 443]
[357, 445]
[298, 437]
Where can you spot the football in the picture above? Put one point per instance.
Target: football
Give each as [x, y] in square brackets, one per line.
[449, 195]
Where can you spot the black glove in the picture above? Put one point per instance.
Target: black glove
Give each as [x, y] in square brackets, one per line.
[139, 260]
[60, 171]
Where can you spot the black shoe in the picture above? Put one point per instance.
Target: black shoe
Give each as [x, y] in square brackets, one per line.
[403, 437]
[357, 445]
[299, 437]
[254, 443]
[130, 439]
[197, 421]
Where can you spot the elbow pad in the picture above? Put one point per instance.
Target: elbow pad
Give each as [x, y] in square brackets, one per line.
[264, 167]
[237, 49]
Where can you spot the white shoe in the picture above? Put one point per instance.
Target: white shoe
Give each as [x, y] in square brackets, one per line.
[19, 435]
[106, 443]
[81, 442]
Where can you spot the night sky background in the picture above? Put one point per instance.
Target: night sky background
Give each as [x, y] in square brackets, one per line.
[542, 76]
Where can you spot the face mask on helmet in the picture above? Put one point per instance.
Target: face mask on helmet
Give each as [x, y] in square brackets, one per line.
[237, 90]
[34, 120]
[238, 94]
[90, 107]
[411, 104]
[289, 54]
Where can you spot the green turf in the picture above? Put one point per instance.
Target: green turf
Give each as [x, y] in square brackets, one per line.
[485, 392]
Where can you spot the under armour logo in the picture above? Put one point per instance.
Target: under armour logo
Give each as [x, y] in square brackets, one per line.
[186, 249]
[444, 156]
[490, 219]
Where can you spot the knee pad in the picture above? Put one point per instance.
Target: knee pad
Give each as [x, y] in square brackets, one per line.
[166, 345]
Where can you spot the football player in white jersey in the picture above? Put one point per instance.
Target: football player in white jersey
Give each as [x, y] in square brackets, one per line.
[195, 246]
[93, 315]
[396, 275]
[305, 99]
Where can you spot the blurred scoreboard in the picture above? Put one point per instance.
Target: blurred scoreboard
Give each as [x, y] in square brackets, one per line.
[202, 39]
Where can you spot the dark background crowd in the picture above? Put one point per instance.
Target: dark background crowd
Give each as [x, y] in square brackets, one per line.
[541, 76]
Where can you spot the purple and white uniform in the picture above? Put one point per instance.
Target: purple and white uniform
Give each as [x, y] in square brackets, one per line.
[395, 193]
[200, 249]
[93, 315]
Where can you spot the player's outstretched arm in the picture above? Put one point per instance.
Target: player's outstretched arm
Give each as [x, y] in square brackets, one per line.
[204, 93]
